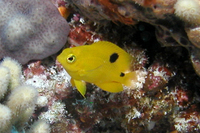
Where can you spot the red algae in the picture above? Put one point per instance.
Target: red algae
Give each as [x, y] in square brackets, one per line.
[157, 77]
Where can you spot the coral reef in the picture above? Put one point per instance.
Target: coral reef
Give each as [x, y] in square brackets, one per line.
[40, 127]
[17, 101]
[5, 118]
[176, 21]
[188, 10]
[188, 120]
[31, 29]
[166, 47]
[156, 105]
[163, 101]
[81, 33]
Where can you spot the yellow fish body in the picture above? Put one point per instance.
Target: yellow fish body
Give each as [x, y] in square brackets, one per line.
[102, 63]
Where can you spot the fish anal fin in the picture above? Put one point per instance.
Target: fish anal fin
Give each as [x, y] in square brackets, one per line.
[81, 86]
[111, 86]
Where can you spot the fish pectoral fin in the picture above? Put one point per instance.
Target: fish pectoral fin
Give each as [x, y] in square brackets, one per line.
[72, 82]
[111, 86]
[81, 86]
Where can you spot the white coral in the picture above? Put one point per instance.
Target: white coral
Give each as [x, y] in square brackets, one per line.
[15, 71]
[21, 98]
[4, 80]
[40, 126]
[188, 10]
[5, 117]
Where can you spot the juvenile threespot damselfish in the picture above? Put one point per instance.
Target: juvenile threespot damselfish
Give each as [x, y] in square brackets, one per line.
[102, 63]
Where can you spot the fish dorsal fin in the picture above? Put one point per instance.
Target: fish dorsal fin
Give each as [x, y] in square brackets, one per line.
[108, 46]
[110, 50]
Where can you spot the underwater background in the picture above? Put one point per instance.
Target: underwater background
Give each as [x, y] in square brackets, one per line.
[162, 37]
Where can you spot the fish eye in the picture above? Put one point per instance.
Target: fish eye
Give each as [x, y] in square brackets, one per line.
[71, 58]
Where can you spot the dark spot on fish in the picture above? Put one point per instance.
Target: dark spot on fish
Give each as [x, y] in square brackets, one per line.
[113, 57]
[122, 74]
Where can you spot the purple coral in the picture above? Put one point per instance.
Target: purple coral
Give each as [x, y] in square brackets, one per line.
[31, 29]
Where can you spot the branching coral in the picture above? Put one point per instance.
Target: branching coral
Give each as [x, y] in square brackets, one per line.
[31, 29]
[4, 80]
[17, 100]
[5, 118]
[52, 85]
[14, 70]
[40, 127]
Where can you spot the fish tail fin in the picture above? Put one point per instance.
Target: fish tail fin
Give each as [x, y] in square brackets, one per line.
[130, 78]
[135, 79]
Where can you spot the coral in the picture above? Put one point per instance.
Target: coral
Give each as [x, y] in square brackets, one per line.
[188, 10]
[116, 13]
[188, 120]
[55, 113]
[167, 51]
[17, 100]
[157, 77]
[176, 22]
[5, 117]
[31, 30]
[15, 71]
[168, 86]
[41, 101]
[4, 80]
[193, 34]
[22, 101]
[127, 12]
[81, 33]
[40, 127]
[52, 85]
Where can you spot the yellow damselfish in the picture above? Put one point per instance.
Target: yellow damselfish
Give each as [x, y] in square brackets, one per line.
[102, 63]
